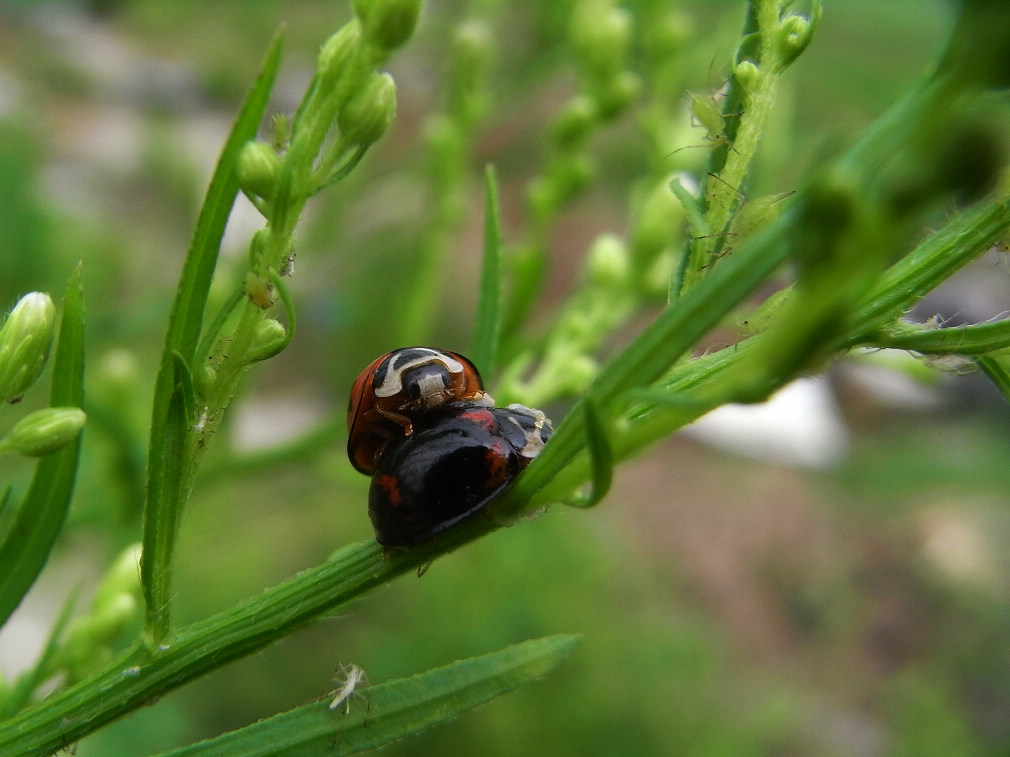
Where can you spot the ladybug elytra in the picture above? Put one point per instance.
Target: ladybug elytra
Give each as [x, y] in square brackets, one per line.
[451, 470]
[396, 389]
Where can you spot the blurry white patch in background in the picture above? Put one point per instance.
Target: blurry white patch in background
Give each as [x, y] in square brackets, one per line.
[261, 422]
[955, 541]
[799, 425]
[896, 379]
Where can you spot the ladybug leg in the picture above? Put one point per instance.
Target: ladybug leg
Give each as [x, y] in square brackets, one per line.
[399, 419]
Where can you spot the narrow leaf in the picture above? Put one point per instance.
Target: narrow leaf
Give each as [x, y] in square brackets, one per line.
[490, 303]
[166, 456]
[601, 457]
[997, 368]
[391, 710]
[33, 531]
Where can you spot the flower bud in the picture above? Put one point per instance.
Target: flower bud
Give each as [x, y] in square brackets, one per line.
[339, 51]
[580, 370]
[87, 644]
[600, 35]
[122, 577]
[368, 113]
[746, 75]
[608, 261]
[794, 35]
[473, 45]
[387, 23]
[45, 431]
[269, 338]
[260, 291]
[618, 93]
[657, 222]
[575, 121]
[25, 340]
[258, 167]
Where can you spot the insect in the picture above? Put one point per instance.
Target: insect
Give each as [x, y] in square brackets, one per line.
[350, 676]
[451, 470]
[401, 388]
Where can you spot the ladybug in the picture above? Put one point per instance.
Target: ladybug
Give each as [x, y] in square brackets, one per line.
[401, 388]
[450, 471]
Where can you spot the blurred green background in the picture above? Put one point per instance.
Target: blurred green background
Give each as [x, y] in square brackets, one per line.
[729, 606]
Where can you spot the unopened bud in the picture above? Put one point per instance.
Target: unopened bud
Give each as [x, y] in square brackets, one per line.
[368, 113]
[794, 35]
[387, 23]
[269, 338]
[658, 220]
[45, 431]
[260, 291]
[575, 121]
[258, 167]
[339, 51]
[746, 75]
[618, 93]
[608, 261]
[600, 35]
[25, 340]
[122, 577]
[473, 45]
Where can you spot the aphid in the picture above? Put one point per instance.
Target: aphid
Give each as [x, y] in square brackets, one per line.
[351, 676]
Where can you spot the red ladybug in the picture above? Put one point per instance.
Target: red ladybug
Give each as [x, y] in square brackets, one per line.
[399, 389]
[450, 471]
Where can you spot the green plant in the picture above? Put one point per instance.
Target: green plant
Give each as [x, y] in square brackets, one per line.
[848, 234]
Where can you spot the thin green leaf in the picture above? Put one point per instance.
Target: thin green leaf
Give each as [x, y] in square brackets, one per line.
[213, 332]
[185, 388]
[490, 302]
[391, 710]
[697, 229]
[167, 474]
[997, 368]
[30, 539]
[5, 500]
[601, 457]
[935, 260]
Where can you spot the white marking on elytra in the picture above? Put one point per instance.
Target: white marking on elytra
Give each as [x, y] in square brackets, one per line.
[534, 440]
[392, 385]
[351, 676]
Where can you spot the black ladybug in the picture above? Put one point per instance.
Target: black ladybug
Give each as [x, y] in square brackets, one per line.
[450, 470]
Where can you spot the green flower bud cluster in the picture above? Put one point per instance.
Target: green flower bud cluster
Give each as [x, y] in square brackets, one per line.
[604, 299]
[655, 232]
[600, 35]
[89, 640]
[347, 107]
[449, 139]
[25, 340]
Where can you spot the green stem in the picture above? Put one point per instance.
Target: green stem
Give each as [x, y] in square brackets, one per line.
[141, 674]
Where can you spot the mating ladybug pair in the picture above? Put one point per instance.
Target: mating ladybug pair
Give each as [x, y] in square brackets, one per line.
[438, 450]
